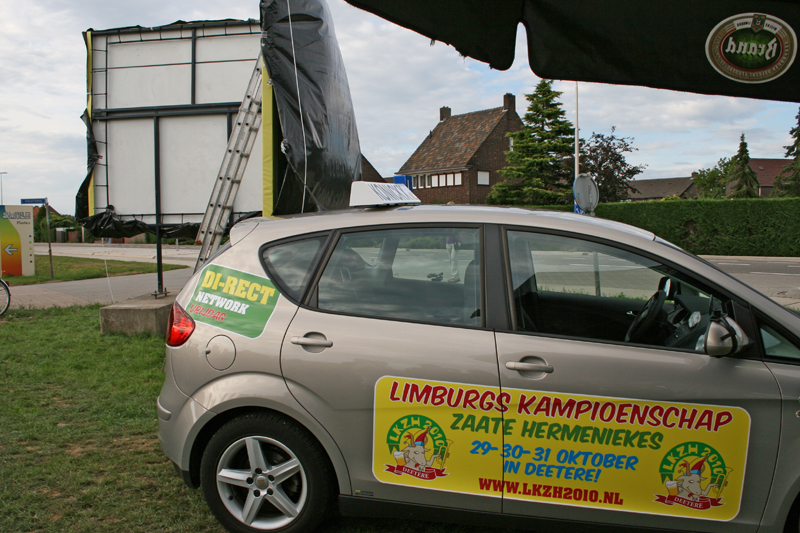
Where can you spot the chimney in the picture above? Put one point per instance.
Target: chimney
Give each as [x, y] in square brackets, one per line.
[444, 113]
[509, 102]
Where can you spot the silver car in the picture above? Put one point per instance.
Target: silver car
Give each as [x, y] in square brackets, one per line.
[478, 363]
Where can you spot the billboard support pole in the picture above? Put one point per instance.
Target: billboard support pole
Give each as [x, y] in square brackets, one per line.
[159, 260]
[49, 244]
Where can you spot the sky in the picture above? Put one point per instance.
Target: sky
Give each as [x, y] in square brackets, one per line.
[398, 82]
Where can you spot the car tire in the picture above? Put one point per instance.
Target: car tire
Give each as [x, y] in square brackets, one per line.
[262, 472]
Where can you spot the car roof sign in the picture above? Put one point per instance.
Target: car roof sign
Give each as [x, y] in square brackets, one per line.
[367, 193]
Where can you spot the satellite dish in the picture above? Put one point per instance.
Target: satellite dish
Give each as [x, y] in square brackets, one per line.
[586, 193]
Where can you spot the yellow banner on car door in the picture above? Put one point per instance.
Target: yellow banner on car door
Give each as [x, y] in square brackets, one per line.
[641, 456]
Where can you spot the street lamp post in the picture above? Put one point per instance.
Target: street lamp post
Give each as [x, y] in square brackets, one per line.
[1, 188]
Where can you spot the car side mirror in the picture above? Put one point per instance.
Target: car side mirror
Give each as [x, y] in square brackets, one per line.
[723, 336]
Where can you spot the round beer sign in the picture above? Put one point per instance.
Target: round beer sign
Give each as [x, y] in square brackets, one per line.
[751, 47]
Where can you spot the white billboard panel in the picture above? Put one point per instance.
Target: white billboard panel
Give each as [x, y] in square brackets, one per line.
[208, 76]
[129, 164]
[140, 54]
[232, 47]
[149, 86]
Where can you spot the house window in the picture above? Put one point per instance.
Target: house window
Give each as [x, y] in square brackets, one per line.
[428, 181]
[483, 177]
[434, 181]
[511, 144]
[458, 178]
[449, 180]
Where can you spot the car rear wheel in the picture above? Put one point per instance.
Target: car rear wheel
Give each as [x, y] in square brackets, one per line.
[261, 472]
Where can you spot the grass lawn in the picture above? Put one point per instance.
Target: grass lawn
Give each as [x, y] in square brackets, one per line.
[74, 268]
[79, 450]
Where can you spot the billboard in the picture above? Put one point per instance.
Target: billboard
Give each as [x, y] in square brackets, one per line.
[163, 101]
[161, 105]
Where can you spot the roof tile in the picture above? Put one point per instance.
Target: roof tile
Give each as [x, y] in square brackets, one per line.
[768, 169]
[453, 142]
[659, 188]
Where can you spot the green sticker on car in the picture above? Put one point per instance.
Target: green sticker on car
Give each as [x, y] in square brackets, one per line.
[233, 300]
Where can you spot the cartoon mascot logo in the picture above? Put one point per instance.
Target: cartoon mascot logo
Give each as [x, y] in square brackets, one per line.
[691, 471]
[419, 447]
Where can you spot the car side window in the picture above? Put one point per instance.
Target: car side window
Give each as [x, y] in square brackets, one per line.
[420, 274]
[576, 288]
[290, 264]
[776, 345]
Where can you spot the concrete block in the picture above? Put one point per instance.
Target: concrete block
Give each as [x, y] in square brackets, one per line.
[138, 315]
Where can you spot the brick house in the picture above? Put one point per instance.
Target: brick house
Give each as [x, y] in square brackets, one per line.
[368, 172]
[767, 170]
[460, 158]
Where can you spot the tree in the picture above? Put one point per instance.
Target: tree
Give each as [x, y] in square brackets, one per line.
[746, 185]
[538, 170]
[56, 221]
[788, 182]
[779, 188]
[604, 158]
[713, 182]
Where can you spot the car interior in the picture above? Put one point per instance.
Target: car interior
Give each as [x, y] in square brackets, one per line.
[604, 296]
[403, 275]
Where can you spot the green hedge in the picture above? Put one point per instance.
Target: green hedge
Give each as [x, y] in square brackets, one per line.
[758, 226]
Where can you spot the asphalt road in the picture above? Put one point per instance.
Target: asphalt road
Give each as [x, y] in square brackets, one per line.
[773, 276]
[145, 253]
[777, 277]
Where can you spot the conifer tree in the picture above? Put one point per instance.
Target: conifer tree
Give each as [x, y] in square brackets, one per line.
[539, 171]
[788, 182]
[745, 178]
[779, 188]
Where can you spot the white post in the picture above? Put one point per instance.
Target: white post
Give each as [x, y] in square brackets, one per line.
[1, 188]
[577, 150]
[49, 244]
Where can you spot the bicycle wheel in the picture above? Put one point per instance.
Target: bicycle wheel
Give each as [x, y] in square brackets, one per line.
[5, 297]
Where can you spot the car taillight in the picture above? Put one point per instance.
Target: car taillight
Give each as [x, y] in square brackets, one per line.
[179, 327]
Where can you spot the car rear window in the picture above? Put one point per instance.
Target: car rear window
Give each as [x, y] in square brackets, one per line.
[290, 264]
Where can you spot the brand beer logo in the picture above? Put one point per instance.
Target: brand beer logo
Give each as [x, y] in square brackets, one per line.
[751, 47]
[694, 475]
[419, 448]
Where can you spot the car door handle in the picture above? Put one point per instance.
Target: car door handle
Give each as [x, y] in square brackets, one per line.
[308, 341]
[528, 367]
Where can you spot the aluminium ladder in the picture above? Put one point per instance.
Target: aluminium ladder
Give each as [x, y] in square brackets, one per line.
[226, 186]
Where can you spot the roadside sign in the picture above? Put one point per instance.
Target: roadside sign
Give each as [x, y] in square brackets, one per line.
[16, 240]
[34, 200]
[586, 193]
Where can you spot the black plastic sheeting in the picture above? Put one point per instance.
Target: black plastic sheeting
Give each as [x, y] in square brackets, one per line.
[92, 157]
[320, 139]
[109, 224]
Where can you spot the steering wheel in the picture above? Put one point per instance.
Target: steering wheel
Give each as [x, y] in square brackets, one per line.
[646, 318]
